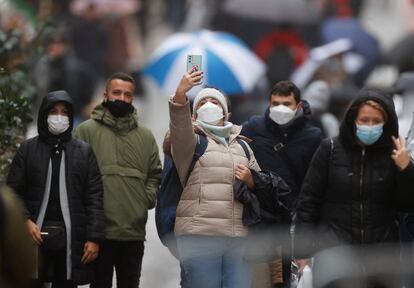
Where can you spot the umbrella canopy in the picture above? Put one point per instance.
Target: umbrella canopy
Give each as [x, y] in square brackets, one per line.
[317, 57]
[227, 62]
[363, 43]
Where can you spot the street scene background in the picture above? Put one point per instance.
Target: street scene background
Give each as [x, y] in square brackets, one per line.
[387, 20]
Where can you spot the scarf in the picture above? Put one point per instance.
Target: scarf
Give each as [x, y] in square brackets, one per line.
[221, 133]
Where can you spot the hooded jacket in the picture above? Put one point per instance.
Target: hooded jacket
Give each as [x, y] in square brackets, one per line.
[352, 193]
[286, 150]
[131, 169]
[83, 203]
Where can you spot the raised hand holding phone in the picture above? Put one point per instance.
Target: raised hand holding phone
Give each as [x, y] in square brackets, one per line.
[192, 78]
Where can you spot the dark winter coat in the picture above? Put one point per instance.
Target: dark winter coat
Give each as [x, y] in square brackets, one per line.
[83, 182]
[352, 193]
[286, 150]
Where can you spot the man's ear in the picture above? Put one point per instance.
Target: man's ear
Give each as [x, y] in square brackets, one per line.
[228, 116]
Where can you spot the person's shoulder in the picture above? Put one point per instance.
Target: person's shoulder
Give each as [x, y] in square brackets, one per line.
[143, 130]
[253, 123]
[80, 143]
[312, 132]
[330, 143]
[87, 129]
[80, 146]
[255, 120]
[327, 141]
[30, 142]
[87, 124]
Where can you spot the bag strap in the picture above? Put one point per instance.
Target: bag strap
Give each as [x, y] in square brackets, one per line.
[244, 146]
[331, 140]
[332, 150]
[332, 146]
[200, 148]
[283, 154]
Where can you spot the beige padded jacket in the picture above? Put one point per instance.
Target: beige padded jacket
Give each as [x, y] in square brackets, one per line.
[207, 205]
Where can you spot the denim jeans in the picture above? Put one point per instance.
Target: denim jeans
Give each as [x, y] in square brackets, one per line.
[213, 261]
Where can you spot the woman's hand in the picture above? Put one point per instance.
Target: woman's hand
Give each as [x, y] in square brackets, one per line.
[34, 231]
[243, 174]
[190, 79]
[400, 154]
[90, 252]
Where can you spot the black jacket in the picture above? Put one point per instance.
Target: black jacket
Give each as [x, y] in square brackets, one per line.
[83, 180]
[287, 151]
[351, 194]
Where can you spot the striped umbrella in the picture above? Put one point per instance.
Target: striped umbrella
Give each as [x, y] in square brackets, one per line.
[227, 62]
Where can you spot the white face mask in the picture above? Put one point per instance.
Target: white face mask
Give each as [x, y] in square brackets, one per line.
[57, 124]
[210, 113]
[281, 114]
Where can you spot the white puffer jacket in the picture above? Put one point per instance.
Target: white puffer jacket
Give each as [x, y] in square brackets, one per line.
[207, 205]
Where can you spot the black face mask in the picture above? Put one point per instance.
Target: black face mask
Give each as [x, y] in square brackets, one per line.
[118, 108]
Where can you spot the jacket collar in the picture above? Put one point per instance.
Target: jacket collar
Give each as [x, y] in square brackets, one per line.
[120, 125]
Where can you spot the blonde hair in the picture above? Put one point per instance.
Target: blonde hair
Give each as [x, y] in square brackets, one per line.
[377, 106]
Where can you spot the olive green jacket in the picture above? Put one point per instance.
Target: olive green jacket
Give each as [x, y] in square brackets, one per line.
[129, 162]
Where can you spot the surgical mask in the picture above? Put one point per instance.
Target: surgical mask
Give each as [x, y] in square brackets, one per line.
[57, 124]
[119, 108]
[210, 113]
[281, 114]
[368, 135]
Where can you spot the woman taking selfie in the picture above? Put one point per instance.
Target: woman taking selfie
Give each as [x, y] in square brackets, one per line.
[209, 229]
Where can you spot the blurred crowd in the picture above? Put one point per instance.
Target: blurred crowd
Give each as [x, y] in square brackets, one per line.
[305, 41]
[322, 46]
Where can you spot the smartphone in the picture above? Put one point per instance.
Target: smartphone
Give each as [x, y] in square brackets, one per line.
[194, 61]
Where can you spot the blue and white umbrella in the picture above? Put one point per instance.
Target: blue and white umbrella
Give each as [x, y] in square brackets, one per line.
[228, 64]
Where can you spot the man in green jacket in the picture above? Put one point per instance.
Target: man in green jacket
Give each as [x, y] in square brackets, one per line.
[128, 158]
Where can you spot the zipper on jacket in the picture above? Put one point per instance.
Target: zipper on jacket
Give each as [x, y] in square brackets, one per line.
[361, 204]
[232, 198]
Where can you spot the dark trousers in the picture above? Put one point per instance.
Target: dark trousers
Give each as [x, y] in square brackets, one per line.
[52, 269]
[56, 284]
[126, 257]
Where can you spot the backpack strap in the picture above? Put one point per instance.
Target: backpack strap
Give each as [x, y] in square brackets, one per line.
[243, 144]
[332, 146]
[332, 150]
[200, 148]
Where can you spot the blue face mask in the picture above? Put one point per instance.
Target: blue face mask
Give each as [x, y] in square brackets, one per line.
[368, 135]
